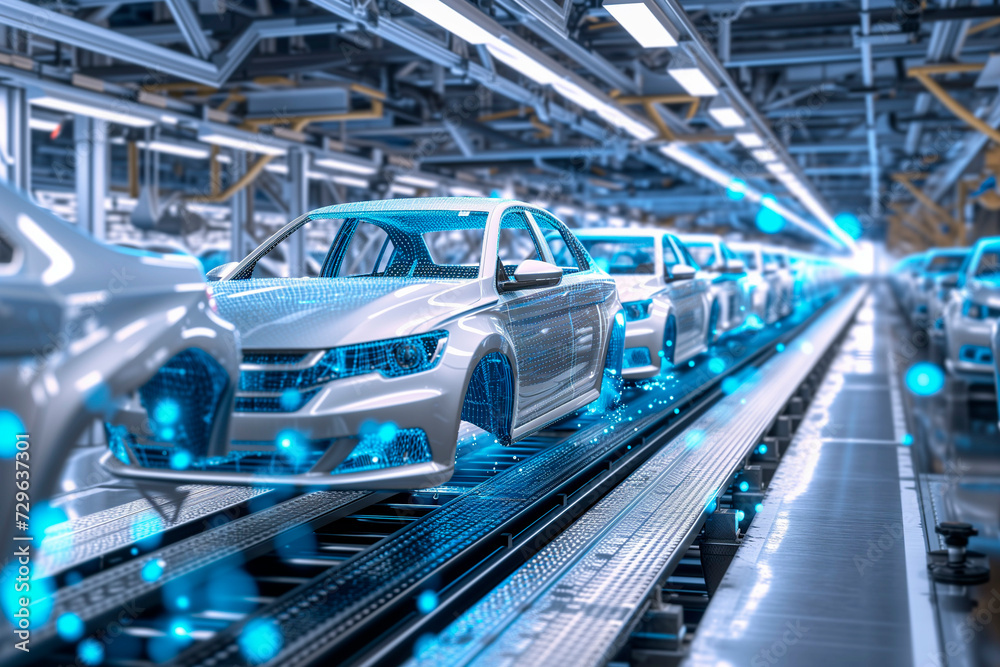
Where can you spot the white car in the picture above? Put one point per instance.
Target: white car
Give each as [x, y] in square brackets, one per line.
[766, 284]
[666, 303]
[730, 305]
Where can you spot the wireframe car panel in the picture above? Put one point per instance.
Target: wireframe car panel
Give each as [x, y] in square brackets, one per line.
[83, 325]
[729, 307]
[666, 304]
[426, 313]
[970, 311]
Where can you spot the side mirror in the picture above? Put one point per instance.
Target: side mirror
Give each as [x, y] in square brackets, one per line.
[735, 266]
[221, 271]
[531, 274]
[681, 272]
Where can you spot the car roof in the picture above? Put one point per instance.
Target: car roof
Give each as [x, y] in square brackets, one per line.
[484, 204]
[602, 232]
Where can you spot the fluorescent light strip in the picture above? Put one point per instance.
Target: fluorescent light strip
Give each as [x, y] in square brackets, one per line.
[403, 190]
[346, 180]
[726, 116]
[451, 20]
[175, 149]
[417, 181]
[239, 143]
[694, 81]
[639, 20]
[523, 63]
[340, 164]
[777, 168]
[42, 125]
[764, 155]
[749, 139]
[91, 111]
[461, 191]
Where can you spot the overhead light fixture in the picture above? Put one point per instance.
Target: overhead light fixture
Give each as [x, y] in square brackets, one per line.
[277, 168]
[91, 111]
[403, 190]
[777, 168]
[576, 94]
[749, 139]
[724, 113]
[341, 163]
[256, 145]
[521, 62]
[417, 181]
[349, 181]
[681, 155]
[686, 71]
[764, 155]
[462, 191]
[644, 21]
[451, 19]
[194, 152]
[43, 125]
[615, 116]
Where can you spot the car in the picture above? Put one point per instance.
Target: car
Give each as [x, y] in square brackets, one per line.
[766, 286]
[85, 325]
[969, 314]
[902, 277]
[666, 303]
[730, 304]
[934, 279]
[426, 313]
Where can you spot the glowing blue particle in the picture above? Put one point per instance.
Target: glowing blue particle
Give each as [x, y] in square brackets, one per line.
[740, 515]
[677, 411]
[695, 437]
[90, 652]
[744, 486]
[10, 427]
[780, 347]
[716, 365]
[180, 629]
[737, 189]
[762, 449]
[387, 432]
[134, 551]
[69, 626]
[260, 641]
[153, 570]
[758, 507]
[924, 378]
[768, 219]
[620, 319]
[290, 400]
[849, 223]
[427, 601]
[182, 602]
[166, 412]
[424, 644]
[147, 530]
[691, 363]
[730, 385]
[180, 460]
[907, 439]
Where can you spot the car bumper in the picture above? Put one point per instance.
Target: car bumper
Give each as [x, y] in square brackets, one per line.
[643, 348]
[367, 431]
[966, 340]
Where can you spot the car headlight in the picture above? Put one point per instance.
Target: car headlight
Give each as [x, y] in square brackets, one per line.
[637, 310]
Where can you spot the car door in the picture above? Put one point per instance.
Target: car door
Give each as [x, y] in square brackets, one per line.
[690, 298]
[539, 323]
[585, 298]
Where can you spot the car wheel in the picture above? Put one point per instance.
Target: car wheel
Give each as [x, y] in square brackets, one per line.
[489, 398]
[612, 382]
[670, 341]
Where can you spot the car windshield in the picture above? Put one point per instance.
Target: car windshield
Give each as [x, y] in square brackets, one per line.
[704, 253]
[427, 244]
[988, 267]
[620, 256]
[945, 263]
[749, 258]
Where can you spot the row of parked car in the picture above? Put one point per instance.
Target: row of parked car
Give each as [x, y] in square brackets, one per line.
[954, 293]
[412, 317]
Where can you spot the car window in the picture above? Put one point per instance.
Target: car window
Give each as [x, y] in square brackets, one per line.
[6, 251]
[704, 253]
[989, 264]
[368, 253]
[685, 254]
[945, 263]
[669, 256]
[562, 244]
[749, 258]
[516, 243]
[623, 255]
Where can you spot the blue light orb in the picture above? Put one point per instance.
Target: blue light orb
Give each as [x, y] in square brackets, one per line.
[737, 189]
[850, 224]
[924, 379]
[730, 385]
[166, 412]
[260, 641]
[152, 570]
[762, 449]
[182, 602]
[180, 460]
[90, 652]
[769, 220]
[758, 507]
[69, 626]
[744, 486]
[290, 400]
[10, 427]
[620, 319]
[147, 530]
[907, 439]
[387, 432]
[780, 347]
[740, 515]
[427, 602]
[716, 365]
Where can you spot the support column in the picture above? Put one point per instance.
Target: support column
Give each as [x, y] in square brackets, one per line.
[90, 136]
[298, 204]
[15, 138]
[240, 210]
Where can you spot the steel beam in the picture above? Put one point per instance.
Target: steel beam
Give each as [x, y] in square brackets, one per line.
[190, 27]
[298, 204]
[15, 138]
[90, 136]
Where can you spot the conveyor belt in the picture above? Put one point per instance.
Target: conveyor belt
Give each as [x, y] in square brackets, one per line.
[317, 617]
[575, 602]
[92, 536]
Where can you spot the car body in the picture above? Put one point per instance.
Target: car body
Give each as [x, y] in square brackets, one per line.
[995, 346]
[426, 313]
[935, 277]
[84, 325]
[786, 276]
[666, 303]
[766, 284]
[902, 278]
[969, 314]
[729, 307]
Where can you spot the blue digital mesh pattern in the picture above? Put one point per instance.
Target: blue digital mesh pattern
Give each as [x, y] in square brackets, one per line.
[489, 398]
[182, 399]
[393, 357]
[272, 358]
[636, 357]
[376, 451]
[256, 463]
[615, 358]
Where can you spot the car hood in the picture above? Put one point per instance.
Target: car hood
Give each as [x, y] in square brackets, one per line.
[636, 288]
[318, 313]
[985, 291]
